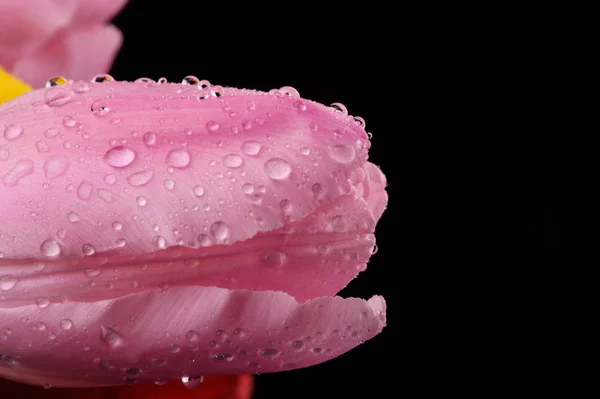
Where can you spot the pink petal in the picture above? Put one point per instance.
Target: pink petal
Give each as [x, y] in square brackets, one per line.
[148, 161]
[25, 24]
[184, 331]
[75, 54]
[123, 202]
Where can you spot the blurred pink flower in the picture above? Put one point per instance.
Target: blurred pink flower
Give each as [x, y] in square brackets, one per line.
[152, 231]
[40, 39]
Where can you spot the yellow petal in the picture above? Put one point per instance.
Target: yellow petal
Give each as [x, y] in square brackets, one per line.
[10, 87]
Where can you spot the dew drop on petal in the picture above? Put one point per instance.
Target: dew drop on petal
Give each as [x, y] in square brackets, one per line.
[178, 159]
[50, 248]
[212, 126]
[192, 382]
[342, 153]
[56, 97]
[251, 147]
[169, 184]
[119, 156]
[20, 170]
[66, 324]
[140, 178]
[233, 161]
[42, 302]
[84, 191]
[219, 230]
[7, 282]
[55, 166]
[88, 249]
[12, 132]
[149, 139]
[198, 191]
[110, 336]
[277, 168]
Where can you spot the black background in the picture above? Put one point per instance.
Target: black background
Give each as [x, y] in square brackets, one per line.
[328, 57]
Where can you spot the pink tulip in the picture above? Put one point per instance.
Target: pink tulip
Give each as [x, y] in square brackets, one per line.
[150, 232]
[42, 38]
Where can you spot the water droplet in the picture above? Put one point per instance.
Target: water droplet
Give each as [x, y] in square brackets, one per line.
[105, 195]
[192, 382]
[100, 108]
[12, 132]
[73, 217]
[248, 189]
[7, 282]
[190, 80]
[217, 91]
[140, 178]
[56, 97]
[305, 151]
[169, 184]
[342, 153]
[219, 230]
[360, 121]
[339, 107]
[251, 147]
[42, 302]
[55, 166]
[88, 249]
[272, 259]
[313, 126]
[233, 161]
[298, 344]
[160, 242]
[51, 132]
[92, 272]
[222, 357]
[46, 385]
[4, 154]
[198, 191]
[144, 80]
[21, 169]
[133, 372]
[66, 324]
[300, 106]
[149, 139]
[203, 240]
[179, 159]
[339, 223]
[212, 126]
[117, 226]
[50, 248]
[42, 146]
[69, 121]
[175, 348]
[277, 168]
[318, 190]
[84, 191]
[119, 156]
[162, 81]
[141, 201]
[110, 336]
[289, 91]
[159, 362]
[81, 87]
[103, 78]
[191, 335]
[269, 353]
[58, 80]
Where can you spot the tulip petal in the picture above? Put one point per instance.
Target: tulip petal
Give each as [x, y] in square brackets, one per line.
[76, 54]
[157, 175]
[156, 335]
[25, 24]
